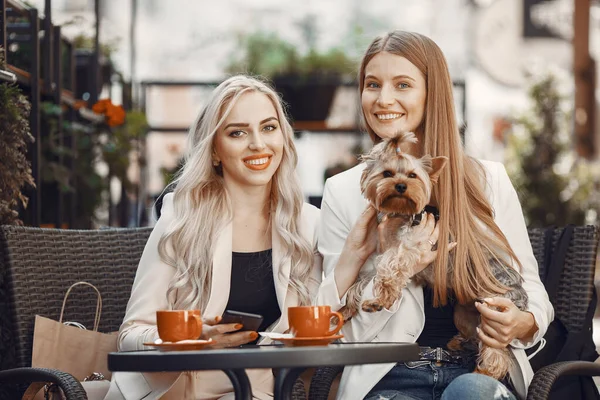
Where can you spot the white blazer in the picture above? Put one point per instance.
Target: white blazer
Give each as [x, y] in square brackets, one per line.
[341, 207]
[148, 294]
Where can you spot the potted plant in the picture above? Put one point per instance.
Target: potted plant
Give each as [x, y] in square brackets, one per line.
[306, 81]
[15, 136]
[555, 186]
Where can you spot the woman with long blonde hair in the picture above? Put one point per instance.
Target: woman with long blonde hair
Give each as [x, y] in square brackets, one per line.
[235, 234]
[405, 85]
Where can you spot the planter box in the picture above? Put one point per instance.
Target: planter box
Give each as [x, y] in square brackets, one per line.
[307, 99]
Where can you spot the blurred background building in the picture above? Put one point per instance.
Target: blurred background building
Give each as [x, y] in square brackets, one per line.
[173, 52]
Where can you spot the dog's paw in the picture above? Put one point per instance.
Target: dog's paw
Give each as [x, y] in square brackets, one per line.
[348, 311]
[371, 306]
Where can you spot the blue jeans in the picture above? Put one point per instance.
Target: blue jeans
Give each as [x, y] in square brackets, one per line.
[421, 380]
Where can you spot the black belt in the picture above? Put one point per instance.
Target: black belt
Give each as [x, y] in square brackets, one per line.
[439, 354]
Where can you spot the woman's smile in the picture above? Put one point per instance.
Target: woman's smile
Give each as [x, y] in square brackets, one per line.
[258, 162]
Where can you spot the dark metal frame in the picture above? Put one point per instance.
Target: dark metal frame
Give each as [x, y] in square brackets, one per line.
[35, 199]
[57, 86]
[48, 48]
[3, 23]
[71, 140]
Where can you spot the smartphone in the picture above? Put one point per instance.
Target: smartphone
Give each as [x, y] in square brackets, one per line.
[250, 322]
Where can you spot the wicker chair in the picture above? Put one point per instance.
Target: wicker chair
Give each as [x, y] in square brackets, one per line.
[36, 267]
[575, 293]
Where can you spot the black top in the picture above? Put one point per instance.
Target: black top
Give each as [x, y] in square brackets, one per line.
[439, 322]
[252, 286]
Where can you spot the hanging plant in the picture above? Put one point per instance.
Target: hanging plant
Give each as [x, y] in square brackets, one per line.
[15, 136]
[306, 80]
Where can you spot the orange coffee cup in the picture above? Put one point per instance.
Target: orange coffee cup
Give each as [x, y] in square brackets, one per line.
[313, 321]
[176, 325]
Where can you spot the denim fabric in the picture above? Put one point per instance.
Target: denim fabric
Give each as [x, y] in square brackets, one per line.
[476, 386]
[425, 380]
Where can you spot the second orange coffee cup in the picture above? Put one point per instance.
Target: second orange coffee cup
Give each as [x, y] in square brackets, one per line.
[313, 321]
[177, 325]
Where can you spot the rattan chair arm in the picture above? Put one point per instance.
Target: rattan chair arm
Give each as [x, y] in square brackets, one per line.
[70, 386]
[542, 382]
[321, 381]
[298, 392]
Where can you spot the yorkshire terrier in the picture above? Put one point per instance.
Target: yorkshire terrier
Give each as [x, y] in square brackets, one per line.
[400, 185]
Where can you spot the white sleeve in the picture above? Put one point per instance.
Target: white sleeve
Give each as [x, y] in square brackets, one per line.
[149, 291]
[316, 272]
[332, 233]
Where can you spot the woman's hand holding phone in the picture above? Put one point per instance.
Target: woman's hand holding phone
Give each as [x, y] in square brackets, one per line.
[226, 335]
[250, 322]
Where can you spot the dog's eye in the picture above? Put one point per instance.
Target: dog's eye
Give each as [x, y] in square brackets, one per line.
[412, 175]
[387, 174]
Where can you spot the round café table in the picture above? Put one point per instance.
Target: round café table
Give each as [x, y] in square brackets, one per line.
[289, 362]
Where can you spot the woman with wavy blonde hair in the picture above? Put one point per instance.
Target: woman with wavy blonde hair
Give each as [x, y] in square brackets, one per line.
[235, 234]
[405, 85]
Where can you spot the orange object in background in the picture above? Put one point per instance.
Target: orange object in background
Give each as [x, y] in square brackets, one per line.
[501, 126]
[101, 106]
[115, 115]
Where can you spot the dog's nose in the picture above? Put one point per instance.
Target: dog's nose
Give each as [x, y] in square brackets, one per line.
[401, 187]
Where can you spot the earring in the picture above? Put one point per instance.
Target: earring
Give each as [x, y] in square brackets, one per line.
[216, 163]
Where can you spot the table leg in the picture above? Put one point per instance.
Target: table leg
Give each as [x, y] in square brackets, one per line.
[284, 382]
[241, 383]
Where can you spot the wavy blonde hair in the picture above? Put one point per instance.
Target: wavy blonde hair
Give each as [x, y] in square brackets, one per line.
[460, 189]
[202, 206]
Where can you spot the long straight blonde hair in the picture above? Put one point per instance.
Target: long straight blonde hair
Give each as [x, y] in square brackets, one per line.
[202, 206]
[459, 192]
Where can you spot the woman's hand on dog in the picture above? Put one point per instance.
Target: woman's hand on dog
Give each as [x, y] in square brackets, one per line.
[502, 322]
[426, 235]
[362, 239]
[360, 243]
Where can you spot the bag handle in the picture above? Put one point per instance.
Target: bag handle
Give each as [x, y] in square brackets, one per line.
[98, 303]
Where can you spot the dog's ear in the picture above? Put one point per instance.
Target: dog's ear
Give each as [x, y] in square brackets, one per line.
[370, 159]
[437, 165]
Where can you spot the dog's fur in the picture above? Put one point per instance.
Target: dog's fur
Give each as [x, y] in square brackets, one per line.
[399, 185]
